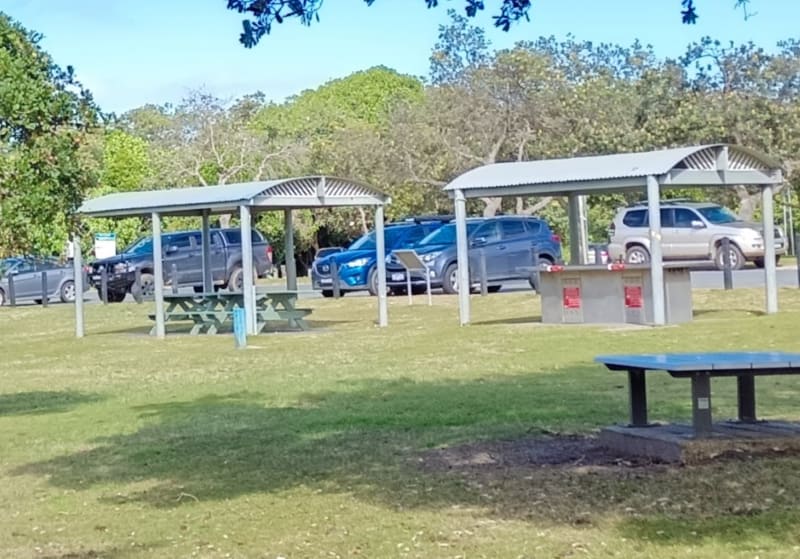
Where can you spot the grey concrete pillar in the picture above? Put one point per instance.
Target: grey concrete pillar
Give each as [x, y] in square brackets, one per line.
[768, 224]
[578, 229]
[380, 254]
[248, 287]
[291, 267]
[656, 256]
[208, 282]
[462, 256]
[158, 274]
[77, 271]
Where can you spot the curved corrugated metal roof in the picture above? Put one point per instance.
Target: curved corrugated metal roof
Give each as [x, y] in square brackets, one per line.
[608, 167]
[312, 191]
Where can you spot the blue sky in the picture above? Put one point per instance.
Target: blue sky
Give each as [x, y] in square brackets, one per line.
[154, 51]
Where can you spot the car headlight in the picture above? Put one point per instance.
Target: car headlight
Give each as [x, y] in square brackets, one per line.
[431, 256]
[357, 263]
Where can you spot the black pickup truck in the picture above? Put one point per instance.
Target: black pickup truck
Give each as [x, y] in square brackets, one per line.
[184, 250]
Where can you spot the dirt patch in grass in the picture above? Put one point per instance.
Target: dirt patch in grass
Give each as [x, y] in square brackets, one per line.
[573, 452]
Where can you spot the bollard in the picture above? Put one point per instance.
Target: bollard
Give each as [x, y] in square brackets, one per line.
[727, 272]
[484, 279]
[534, 278]
[335, 279]
[137, 280]
[408, 287]
[239, 328]
[44, 289]
[797, 240]
[174, 278]
[12, 293]
[104, 285]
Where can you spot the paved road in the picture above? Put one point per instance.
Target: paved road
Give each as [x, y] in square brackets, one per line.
[701, 279]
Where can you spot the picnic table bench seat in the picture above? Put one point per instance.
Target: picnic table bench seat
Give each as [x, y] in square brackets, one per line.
[209, 312]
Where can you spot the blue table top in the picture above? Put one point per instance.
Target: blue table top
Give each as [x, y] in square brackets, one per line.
[719, 361]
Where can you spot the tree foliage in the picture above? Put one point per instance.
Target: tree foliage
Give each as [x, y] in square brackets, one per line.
[45, 115]
[264, 14]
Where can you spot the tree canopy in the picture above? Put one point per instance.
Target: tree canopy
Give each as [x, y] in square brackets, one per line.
[45, 118]
[263, 14]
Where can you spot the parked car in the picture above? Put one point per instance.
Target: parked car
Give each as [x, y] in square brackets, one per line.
[508, 243]
[357, 265]
[327, 251]
[184, 249]
[27, 277]
[690, 231]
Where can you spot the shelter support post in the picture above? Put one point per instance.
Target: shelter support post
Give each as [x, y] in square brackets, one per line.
[158, 274]
[768, 224]
[291, 267]
[656, 256]
[208, 282]
[462, 256]
[578, 229]
[77, 271]
[380, 254]
[248, 287]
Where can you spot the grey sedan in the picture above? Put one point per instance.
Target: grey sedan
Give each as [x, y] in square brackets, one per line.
[26, 275]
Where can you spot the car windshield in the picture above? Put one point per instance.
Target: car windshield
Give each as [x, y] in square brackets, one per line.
[142, 246]
[718, 215]
[367, 242]
[446, 235]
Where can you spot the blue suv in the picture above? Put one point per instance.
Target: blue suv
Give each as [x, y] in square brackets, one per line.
[508, 243]
[356, 266]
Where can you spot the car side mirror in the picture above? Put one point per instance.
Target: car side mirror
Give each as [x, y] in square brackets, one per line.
[479, 242]
[697, 224]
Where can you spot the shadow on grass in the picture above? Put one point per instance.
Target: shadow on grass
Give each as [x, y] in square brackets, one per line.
[375, 440]
[186, 327]
[40, 402]
[534, 319]
[747, 312]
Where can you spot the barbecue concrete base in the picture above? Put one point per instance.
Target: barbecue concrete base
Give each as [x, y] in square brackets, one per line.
[676, 442]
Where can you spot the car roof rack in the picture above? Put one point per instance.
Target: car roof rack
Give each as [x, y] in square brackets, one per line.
[666, 202]
[426, 219]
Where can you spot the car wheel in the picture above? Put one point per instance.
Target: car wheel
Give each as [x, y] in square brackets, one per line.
[67, 292]
[372, 282]
[450, 279]
[116, 296]
[144, 288]
[236, 281]
[759, 262]
[637, 254]
[736, 257]
[494, 288]
[327, 293]
[2, 297]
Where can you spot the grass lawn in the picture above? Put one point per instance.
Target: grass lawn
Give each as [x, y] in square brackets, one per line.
[320, 444]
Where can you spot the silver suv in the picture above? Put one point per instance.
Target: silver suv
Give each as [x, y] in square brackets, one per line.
[690, 231]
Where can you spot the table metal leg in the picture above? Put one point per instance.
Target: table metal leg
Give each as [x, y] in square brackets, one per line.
[637, 397]
[701, 404]
[746, 392]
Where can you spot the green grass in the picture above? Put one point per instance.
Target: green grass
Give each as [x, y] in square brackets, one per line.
[317, 444]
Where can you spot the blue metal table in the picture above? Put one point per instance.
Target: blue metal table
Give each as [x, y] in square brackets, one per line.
[700, 367]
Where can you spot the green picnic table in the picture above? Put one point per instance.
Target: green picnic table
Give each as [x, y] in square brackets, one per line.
[209, 312]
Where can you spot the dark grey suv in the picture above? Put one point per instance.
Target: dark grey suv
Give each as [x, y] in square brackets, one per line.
[508, 243]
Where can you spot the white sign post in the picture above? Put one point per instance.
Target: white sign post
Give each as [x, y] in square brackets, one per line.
[105, 245]
[412, 262]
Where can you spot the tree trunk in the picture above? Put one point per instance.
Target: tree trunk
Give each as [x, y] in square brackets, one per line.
[493, 206]
[224, 221]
